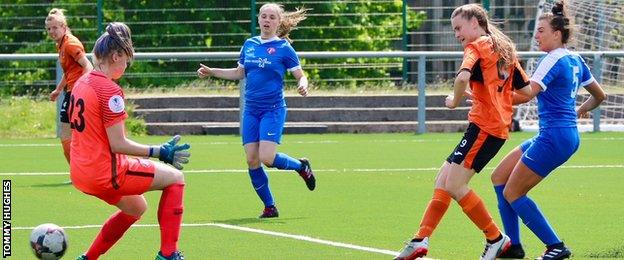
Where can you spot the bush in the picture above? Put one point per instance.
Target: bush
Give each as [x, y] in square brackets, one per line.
[35, 117]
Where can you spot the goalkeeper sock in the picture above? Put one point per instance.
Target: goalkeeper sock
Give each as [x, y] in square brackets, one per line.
[285, 162]
[260, 182]
[535, 220]
[112, 230]
[170, 212]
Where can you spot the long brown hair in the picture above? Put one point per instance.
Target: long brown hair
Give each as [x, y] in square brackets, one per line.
[559, 20]
[288, 20]
[117, 38]
[502, 43]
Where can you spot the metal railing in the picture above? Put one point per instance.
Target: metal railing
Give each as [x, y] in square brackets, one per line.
[420, 56]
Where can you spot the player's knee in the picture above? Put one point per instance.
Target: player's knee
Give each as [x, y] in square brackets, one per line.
[253, 162]
[267, 158]
[177, 177]
[497, 178]
[456, 190]
[266, 161]
[510, 194]
[137, 209]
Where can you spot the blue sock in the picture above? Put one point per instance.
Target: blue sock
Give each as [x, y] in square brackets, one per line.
[260, 182]
[535, 220]
[508, 216]
[285, 162]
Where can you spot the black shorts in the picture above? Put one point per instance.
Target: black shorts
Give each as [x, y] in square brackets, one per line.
[64, 107]
[476, 148]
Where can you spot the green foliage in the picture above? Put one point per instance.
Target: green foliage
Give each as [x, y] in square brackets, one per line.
[135, 126]
[204, 26]
[361, 26]
[25, 117]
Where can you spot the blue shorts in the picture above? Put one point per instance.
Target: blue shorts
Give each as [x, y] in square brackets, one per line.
[263, 125]
[549, 149]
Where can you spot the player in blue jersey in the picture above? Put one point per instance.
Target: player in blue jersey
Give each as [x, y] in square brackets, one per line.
[555, 83]
[263, 62]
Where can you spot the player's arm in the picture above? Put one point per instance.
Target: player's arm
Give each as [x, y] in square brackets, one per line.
[459, 89]
[120, 144]
[597, 95]
[237, 73]
[170, 152]
[302, 85]
[57, 91]
[85, 64]
[527, 93]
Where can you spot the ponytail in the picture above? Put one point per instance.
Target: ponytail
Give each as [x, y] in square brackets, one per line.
[288, 20]
[502, 44]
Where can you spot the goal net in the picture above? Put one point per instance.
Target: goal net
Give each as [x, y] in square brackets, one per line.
[598, 26]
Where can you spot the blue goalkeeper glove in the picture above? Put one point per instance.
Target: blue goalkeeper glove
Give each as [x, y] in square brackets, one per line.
[174, 154]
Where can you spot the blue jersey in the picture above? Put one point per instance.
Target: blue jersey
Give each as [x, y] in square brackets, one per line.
[265, 63]
[560, 73]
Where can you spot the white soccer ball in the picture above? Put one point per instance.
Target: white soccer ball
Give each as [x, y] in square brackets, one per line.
[48, 241]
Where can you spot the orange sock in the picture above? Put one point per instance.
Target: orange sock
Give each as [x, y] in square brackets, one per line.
[433, 214]
[66, 148]
[474, 208]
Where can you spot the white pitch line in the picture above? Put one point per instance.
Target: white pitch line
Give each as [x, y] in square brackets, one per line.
[322, 170]
[326, 142]
[252, 230]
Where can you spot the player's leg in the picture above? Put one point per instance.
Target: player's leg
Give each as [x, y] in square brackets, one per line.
[260, 181]
[271, 128]
[439, 203]
[170, 208]
[509, 217]
[65, 136]
[549, 150]
[65, 129]
[259, 178]
[472, 154]
[131, 208]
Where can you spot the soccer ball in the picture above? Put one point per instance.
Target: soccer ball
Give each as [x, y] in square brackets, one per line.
[48, 241]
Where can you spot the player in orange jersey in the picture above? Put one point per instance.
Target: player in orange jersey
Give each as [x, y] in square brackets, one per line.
[491, 69]
[74, 62]
[100, 150]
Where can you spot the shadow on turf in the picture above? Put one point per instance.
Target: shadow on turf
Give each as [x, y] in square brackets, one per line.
[242, 221]
[47, 185]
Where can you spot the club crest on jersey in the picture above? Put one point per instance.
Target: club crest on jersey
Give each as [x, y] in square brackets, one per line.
[116, 104]
[271, 50]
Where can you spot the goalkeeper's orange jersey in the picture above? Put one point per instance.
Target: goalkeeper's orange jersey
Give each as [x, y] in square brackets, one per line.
[96, 103]
[70, 50]
[491, 89]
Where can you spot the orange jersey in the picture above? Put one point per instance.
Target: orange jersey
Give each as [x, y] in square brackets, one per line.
[70, 50]
[96, 103]
[491, 90]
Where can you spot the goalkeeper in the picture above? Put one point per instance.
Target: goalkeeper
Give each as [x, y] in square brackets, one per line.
[100, 164]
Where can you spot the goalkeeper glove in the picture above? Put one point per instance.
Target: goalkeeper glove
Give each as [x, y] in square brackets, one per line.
[172, 153]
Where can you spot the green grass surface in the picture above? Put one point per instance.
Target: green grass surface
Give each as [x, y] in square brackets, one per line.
[371, 191]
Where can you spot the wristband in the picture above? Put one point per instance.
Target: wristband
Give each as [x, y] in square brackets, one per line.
[151, 151]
